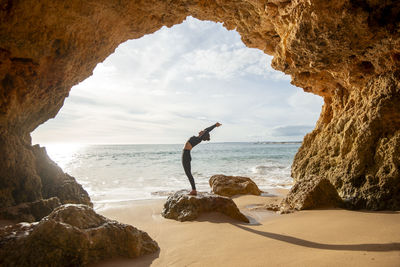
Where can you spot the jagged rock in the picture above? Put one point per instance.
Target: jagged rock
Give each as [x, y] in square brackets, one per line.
[30, 211]
[183, 207]
[310, 194]
[72, 235]
[29, 175]
[57, 183]
[356, 145]
[233, 185]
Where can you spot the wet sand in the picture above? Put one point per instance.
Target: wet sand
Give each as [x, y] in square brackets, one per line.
[333, 237]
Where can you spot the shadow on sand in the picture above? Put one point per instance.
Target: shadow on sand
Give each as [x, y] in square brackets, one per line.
[311, 244]
[216, 217]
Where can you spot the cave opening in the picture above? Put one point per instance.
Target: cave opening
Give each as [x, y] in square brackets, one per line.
[121, 131]
[348, 52]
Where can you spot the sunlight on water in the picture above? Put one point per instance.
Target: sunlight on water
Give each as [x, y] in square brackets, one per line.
[63, 154]
[111, 173]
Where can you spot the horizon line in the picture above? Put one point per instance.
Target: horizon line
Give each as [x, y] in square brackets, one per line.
[228, 142]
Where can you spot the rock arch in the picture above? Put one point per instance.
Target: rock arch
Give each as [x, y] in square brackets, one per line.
[347, 51]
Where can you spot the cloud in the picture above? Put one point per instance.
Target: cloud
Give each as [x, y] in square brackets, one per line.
[168, 85]
[291, 130]
[226, 62]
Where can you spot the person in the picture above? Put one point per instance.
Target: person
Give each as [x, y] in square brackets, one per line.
[186, 158]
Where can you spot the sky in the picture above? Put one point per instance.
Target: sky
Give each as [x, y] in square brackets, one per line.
[167, 86]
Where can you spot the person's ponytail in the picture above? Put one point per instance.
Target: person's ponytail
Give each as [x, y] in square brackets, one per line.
[205, 137]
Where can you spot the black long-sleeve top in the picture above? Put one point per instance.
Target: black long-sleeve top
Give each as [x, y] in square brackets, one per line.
[195, 140]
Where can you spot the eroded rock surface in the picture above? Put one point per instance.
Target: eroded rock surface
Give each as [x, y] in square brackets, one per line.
[183, 207]
[72, 235]
[32, 185]
[357, 147]
[311, 194]
[233, 185]
[57, 183]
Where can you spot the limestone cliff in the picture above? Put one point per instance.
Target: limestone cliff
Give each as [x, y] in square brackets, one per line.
[347, 51]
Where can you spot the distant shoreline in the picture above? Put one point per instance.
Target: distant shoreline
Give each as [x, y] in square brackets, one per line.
[281, 142]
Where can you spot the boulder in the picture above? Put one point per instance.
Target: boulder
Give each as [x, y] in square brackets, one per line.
[311, 193]
[72, 235]
[233, 185]
[183, 207]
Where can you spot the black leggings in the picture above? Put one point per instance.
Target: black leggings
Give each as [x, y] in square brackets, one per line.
[186, 159]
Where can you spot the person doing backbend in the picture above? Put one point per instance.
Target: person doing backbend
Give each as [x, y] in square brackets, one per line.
[186, 158]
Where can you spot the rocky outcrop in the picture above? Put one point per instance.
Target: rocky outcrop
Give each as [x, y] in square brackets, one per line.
[72, 235]
[57, 183]
[32, 185]
[233, 185]
[346, 51]
[352, 60]
[358, 146]
[311, 193]
[183, 207]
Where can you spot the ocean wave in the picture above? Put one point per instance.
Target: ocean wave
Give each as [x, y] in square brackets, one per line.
[133, 172]
[263, 169]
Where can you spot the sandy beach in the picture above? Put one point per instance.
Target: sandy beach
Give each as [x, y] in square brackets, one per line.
[333, 237]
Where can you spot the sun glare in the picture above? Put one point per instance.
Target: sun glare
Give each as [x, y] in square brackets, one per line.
[63, 153]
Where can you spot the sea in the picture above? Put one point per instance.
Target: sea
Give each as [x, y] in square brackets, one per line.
[117, 173]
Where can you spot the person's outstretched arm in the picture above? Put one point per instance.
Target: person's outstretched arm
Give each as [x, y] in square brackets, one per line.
[209, 129]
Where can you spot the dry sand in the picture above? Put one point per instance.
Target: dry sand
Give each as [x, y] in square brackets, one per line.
[308, 238]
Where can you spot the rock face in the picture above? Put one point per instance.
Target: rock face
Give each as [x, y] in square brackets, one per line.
[72, 235]
[233, 185]
[57, 183]
[182, 207]
[346, 51]
[357, 147]
[34, 185]
[310, 194]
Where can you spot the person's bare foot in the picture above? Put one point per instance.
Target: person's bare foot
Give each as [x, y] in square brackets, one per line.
[193, 193]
